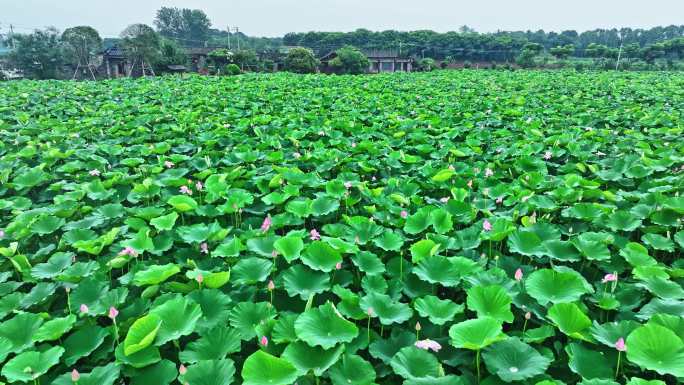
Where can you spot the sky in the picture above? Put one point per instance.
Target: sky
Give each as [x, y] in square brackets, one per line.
[277, 17]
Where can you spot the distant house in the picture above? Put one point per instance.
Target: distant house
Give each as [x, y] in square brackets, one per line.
[117, 64]
[380, 61]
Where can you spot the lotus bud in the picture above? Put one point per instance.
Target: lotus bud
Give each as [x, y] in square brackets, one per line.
[182, 370]
[75, 375]
[271, 285]
[418, 327]
[113, 313]
[264, 341]
[199, 278]
[528, 315]
[83, 308]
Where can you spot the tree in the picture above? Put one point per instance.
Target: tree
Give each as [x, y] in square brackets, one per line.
[245, 58]
[191, 26]
[528, 53]
[39, 54]
[170, 53]
[562, 52]
[81, 44]
[350, 60]
[142, 45]
[301, 60]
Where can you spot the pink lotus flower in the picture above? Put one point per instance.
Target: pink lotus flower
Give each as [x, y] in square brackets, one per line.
[75, 375]
[204, 248]
[182, 370]
[2, 234]
[518, 274]
[486, 225]
[264, 341]
[347, 185]
[609, 278]
[83, 308]
[499, 200]
[620, 345]
[168, 164]
[470, 183]
[199, 186]
[185, 190]
[488, 172]
[528, 315]
[297, 155]
[404, 214]
[274, 254]
[321, 133]
[548, 155]
[371, 312]
[314, 235]
[94, 172]
[129, 251]
[113, 313]
[428, 345]
[338, 265]
[353, 145]
[199, 278]
[266, 224]
[271, 285]
[451, 167]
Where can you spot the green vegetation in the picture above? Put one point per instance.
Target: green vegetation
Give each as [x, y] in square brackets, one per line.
[451, 227]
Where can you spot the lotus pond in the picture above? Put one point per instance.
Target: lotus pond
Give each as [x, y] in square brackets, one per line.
[448, 228]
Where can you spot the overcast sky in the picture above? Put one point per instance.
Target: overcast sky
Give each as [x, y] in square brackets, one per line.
[276, 17]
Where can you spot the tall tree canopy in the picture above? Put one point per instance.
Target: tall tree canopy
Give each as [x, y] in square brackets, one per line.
[141, 43]
[190, 26]
[38, 54]
[81, 44]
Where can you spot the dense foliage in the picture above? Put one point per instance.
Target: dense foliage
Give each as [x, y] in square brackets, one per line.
[426, 228]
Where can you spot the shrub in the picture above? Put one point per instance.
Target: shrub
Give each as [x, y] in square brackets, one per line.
[350, 60]
[427, 64]
[232, 69]
[301, 60]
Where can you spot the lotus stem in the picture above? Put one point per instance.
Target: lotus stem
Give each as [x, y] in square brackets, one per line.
[369, 329]
[617, 368]
[477, 364]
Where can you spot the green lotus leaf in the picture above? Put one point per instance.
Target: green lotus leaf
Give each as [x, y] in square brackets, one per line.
[368, 263]
[229, 248]
[142, 333]
[47, 225]
[476, 334]
[53, 267]
[588, 363]
[252, 270]
[28, 366]
[641, 381]
[352, 369]
[179, 317]
[429, 380]
[657, 348]
[324, 205]
[302, 281]
[438, 269]
[160, 373]
[325, 327]
[436, 310]
[562, 251]
[165, 222]
[557, 285]
[19, 331]
[211, 372]
[246, 316]
[608, 333]
[443, 175]
[419, 221]
[658, 242]
[571, 320]
[307, 358]
[182, 203]
[83, 342]
[514, 360]
[411, 362]
[624, 221]
[262, 368]
[289, 247]
[387, 310]
[319, 255]
[526, 243]
[441, 220]
[196, 233]
[389, 241]
[385, 349]
[490, 301]
[140, 359]
[215, 344]
[54, 329]
[101, 375]
[155, 274]
[423, 249]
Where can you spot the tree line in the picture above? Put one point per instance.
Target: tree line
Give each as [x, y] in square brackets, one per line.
[46, 53]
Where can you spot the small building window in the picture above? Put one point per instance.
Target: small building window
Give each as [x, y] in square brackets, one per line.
[387, 66]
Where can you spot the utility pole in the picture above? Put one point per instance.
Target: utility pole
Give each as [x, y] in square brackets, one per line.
[237, 32]
[228, 27]
[11, 38]
[617, 65]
